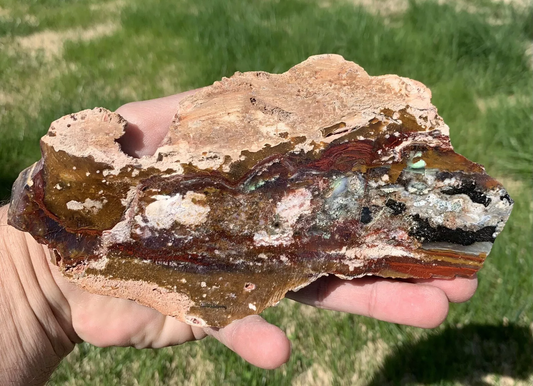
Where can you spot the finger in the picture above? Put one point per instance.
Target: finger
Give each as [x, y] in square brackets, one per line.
[256, 341]
[417, 305]
[458, 290]
[148, 123]
[106, 321]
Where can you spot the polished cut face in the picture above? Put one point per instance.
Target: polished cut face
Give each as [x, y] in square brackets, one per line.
[263, 184]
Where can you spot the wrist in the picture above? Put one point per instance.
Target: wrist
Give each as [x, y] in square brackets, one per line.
[35, 323]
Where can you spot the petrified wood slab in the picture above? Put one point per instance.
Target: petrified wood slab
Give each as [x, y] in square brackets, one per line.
[263, 184]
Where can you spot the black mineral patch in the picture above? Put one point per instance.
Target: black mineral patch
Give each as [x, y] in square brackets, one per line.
[424, 232]
[397, 207]
[366, 215]
[470, 189]
[508, 198]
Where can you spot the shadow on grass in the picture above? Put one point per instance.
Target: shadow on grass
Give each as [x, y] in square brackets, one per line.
[465, 355]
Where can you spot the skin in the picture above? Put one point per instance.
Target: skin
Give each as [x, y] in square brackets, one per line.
[44, 316]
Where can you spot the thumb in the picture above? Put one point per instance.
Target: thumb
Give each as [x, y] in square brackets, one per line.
[256, 341]
[148, 123]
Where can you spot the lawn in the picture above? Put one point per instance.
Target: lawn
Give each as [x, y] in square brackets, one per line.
[61, 56]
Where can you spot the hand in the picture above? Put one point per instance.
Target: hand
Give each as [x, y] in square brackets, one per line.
[56, 314]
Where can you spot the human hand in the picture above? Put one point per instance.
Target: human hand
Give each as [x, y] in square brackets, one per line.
[57, 314]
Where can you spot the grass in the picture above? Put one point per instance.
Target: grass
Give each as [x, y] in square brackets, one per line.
[473, 56]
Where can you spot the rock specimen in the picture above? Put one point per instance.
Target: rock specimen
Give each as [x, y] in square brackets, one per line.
[263, 184]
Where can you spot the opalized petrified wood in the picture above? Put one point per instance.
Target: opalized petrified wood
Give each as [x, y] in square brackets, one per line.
[263, 184]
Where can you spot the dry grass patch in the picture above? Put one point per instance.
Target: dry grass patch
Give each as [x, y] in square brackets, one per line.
[387, 8]
[4, 13]
[516, 3]
[316, 375]
[110, 7]
[7, 15]
[368, 359]
[50, 43]
[497, 101]
[5, 98]
[204, 374]
[504, 380]
[383, 7]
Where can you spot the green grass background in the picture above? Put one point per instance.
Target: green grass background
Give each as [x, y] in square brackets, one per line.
[61, 56]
